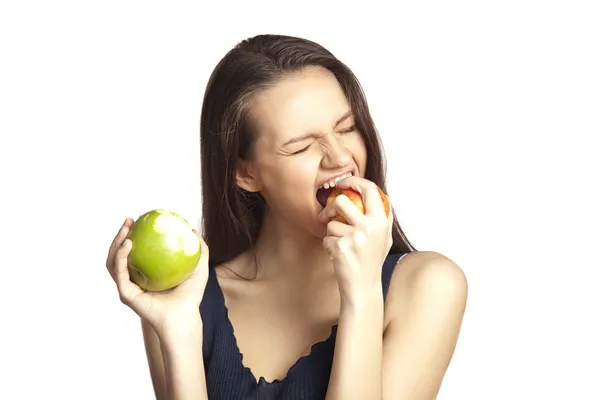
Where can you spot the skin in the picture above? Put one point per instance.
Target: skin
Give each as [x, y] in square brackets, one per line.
[313, 272]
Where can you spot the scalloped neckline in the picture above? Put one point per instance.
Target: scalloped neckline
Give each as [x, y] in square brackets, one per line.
[248, 371]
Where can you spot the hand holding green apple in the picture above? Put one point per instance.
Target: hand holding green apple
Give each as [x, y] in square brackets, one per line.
[160, 266]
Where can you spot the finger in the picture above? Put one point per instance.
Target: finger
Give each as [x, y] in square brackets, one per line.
[370, 193]
[329, 245]
[127, 289]
[344, 207]
[127, 224]
[339, 229]
[110, 261]
[337, 247]
[118, 241]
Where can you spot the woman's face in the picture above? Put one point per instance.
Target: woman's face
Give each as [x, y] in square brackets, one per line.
[306, 137]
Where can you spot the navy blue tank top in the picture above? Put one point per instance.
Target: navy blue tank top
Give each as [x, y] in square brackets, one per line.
[228, 379]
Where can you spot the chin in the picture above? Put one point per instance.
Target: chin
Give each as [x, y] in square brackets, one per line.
[311, 225]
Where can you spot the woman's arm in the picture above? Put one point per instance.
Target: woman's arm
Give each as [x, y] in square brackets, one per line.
[175, 360]
[426, 303]
[356, 369]
[155, 360]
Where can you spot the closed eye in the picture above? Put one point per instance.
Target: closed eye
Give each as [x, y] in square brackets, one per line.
[301, 150]
[348, 130]
[343, 131]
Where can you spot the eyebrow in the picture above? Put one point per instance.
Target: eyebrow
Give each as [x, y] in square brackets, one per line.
[300, 138]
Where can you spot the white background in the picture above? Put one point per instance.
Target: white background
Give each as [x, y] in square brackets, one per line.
[489, 112]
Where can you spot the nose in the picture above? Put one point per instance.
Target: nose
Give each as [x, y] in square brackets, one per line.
[336, 155]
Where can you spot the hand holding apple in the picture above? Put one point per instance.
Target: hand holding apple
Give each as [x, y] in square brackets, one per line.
[170, 301]
[359, 234]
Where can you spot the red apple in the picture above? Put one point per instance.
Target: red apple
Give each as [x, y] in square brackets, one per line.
[357, 199]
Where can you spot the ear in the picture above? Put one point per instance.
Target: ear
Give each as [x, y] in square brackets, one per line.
[246, 177]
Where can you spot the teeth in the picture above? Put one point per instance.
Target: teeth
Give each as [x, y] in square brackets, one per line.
[333, 182]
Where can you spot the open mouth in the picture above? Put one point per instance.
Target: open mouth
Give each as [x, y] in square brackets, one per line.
[325, 190]
[322, 195]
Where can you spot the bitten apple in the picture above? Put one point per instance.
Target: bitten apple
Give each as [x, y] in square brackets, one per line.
[357, 199]
[165, 250]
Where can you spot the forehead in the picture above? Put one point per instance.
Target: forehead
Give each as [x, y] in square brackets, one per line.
[304, 102]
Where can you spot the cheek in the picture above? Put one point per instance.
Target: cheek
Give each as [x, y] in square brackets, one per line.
[291, 177]
[356, 145]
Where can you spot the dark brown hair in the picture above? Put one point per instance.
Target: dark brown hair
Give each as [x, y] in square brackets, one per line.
[231, 216]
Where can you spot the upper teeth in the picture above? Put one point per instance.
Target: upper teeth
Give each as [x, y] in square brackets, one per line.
[334, 181]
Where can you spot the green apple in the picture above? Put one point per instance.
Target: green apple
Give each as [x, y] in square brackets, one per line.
[165, 251]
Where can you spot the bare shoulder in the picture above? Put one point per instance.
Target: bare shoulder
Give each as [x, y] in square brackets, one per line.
[430, 282]
[423, 270]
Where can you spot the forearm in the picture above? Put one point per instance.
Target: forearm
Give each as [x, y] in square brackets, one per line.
[184, 365]
[356, 370]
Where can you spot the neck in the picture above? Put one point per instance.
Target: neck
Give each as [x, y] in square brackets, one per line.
[285, 252]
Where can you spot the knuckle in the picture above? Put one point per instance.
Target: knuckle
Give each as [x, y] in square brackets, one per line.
[332, 244]
[338, 245]
[342, 244]
[370, 186]
[361, 235]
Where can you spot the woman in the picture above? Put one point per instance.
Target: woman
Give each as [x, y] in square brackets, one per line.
[294, 304]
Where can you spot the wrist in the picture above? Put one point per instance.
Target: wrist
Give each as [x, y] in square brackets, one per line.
[367, 299]
[174, 330]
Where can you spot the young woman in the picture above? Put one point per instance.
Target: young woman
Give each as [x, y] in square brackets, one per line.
[288, 303]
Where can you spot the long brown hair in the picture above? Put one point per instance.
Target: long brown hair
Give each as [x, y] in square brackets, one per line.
[231, 216]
